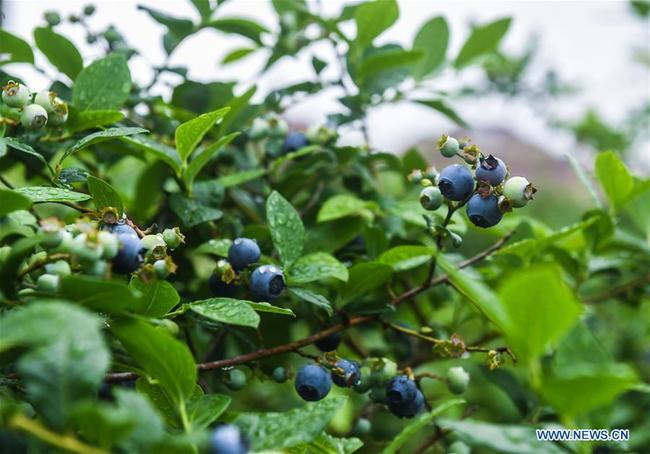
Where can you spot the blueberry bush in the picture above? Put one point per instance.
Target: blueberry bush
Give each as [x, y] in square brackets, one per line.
[185, 273]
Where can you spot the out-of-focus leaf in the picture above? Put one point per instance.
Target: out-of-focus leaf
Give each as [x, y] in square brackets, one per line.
[59, 50]
[343, 205]
[431, 40]
[216, 247]
[163, 152]
[204, 410]
[105, 84]
[202, 157]
[364, 278]
[314, 267]
[402, 258]
[99, 294]
[615, 179]
[240, 26]
[13, 201]
[237, 178]
[237, 54]
[443, 108]
[373, 18]
[192, 211]
[14, 49]
[484, 39]
[158, 297]
[86, 119]
[20, 146]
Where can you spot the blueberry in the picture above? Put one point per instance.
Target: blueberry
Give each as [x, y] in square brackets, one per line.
[220, 288]
[457, 380]
[518, 191]
[346, 373]
[400, 389]
[228, 439]
[15, 94]
[267, 282]
[313, 382]
[243, 252]
[280, 374]
[456, 182]
[120, 228]
[236, 379]
[361, 428]
[130, 255]
[33, 117]
[294, 141]
[410, 408]
[491, 169]
[484, 212]
[329, 343]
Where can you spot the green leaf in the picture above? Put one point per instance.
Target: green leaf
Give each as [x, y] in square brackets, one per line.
[540, 309]
[204, 410]
[331, 236]
[502, 438]
[227, 310]
[163, 152]
[402, 258]
[364, 278]
[279, 430]
[343, 205]
[189, 134]
[177, 29]
[237, 54]
[14, 49]
[327, 444]
[576, 389]
[202, 157]
[87, 119]
[160, 355]
[316, 266]
[99, 294]
[158, 297]
[373, 18]
[244, 27]
[385, 61]
[432, 40]
[11, 263]
[104, 195]
[40, 194]
[408, 433]
[484, 39]
[159, 399]
[313, 298]
[105, 84]
[238, 107]
[215, 247]
[235, 179]
[192, 211]
[475, 290]
[287, 230]
[102, 136]
[20, 146]
[203, 7]
[13, 201]
[59, 50]
[615, 178]
[443, 108]
[270, 309]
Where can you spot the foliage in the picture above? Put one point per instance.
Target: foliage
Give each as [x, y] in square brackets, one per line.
[125, 328]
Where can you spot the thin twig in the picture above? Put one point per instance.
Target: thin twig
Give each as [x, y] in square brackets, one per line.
[618, 290]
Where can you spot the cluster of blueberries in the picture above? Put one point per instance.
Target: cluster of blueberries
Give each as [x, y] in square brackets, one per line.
[487, 193]
[114, 247]
[266, 281]
[45, 107]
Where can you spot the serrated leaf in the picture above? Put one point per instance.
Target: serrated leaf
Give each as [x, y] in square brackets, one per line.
[59, 50]
[227, 310]
[189, 134]
[102, 136]
[483, 39]
[314, 267]
[287, 230]
[364, 278]
[402, 258]
[313, 298]
[202, 157]
[160, 355]
[13, 201]
[279, 430]
[101, 295]
[105, 84]
[158, 297]
[104, 195]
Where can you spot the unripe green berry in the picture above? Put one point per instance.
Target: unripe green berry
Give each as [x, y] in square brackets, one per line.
[258, 129]
[60, 268]
[33, 117]
[450, 147]
[51, 240]
[458, 447]
[109, 243]
[86, 251]
[46, 99]
[15, 94]
[365, 382]
[236, 379]
[97, 268]
[47, 283]
[457, 380]
[518, 190]
[89, 10]
[430, 198]
[161, 269]
[60, 113]
[173, 237]
[149, 242]
[280, 374]
[52, 18]
[361, 428]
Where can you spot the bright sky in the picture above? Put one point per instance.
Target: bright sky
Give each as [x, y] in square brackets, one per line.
[590, 43]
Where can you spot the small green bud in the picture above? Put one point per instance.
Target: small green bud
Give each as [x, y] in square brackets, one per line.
[59, 268]
[52, 18]
[457, 380]
[47, 283]
[173, 237]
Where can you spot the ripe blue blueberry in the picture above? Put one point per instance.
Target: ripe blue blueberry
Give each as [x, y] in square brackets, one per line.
[410, 408]
[267, 282]
[33, 117]
[484, 211]
[329, 343]
[228, 439]
[346, 373]
[400, 390]
[130, 255]
[243, 252]
[491, 169]
[220, 288]
[430, 198]
[15, 94]
[294, 141]
[313, 382]
[456, 182]
[120, 228]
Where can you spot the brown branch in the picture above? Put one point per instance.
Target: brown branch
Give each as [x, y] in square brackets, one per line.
[116, 377]
[618, 290]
